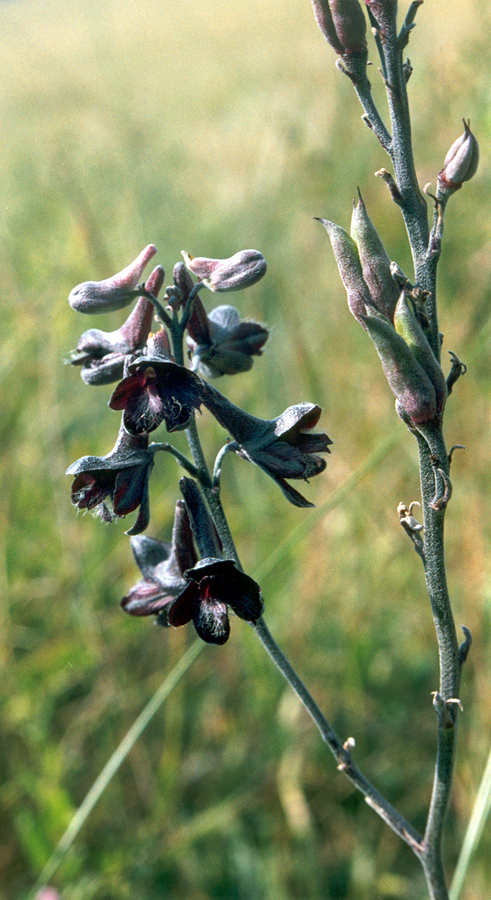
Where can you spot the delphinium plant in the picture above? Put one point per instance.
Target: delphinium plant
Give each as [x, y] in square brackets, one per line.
[170, 348]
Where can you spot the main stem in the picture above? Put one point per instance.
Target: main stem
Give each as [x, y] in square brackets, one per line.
[450, 666]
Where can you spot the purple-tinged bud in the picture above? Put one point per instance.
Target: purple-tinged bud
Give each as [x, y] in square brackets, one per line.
[407, 379]
[343, 25]
[384, 11]
[116, 292]
[348, 262]
[460, 163]
[183, 280]
[375, 262]
[233, 274]
[406, 324]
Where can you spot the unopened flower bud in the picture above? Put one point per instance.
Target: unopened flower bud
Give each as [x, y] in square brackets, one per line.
[461, 161]
[343, 25]
[407, 379]
[374, 260]
[113, 293]
[348, 262]
[233, 274]
[406, 324]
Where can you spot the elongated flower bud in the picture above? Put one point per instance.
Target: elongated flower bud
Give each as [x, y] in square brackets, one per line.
[461, 162]
[239, 271]
[407, 379]
[343, 25]
[348, 262]
[407, 325]
[113, 293]
[374, 260]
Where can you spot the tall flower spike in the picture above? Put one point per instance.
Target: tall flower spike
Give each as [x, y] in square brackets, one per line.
[101, 354]
[162, 566]
[116, 292]
[221, 343]
[121, 477]
[213, 584]
[284, 447]
[157, 390]
[233, 274]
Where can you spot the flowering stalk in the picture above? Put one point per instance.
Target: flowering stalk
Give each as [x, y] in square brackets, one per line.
[406, 336]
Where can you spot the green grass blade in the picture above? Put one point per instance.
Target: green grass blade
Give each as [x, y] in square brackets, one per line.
[114, 763]
[480, 813]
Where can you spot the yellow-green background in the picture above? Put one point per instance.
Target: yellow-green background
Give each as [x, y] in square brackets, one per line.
[214, 126]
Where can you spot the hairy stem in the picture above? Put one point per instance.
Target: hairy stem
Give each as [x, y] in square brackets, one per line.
[450, 665]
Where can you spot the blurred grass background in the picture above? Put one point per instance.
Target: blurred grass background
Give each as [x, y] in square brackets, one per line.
[213, 127]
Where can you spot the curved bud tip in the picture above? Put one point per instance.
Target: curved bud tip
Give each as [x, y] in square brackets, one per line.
[93, 297]
[232, 274]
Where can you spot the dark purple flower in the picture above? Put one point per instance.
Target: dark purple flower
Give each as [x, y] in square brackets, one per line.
[121, 477]
[156, 390]
[221, 343]
[284, 447]
[162, 566]
[213, 586]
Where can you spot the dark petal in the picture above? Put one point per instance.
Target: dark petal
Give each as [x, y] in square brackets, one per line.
[279, 459]
[314, 466]
[212, 622]
[145, 599]
[176, 415]
[312, 443]
[137, 395]
[182, 539]
[149, 553]
[128, 490]
[126, 389]
[244, 597]
[291, 494]
[204, 530]
[89, 489]
[143, 518]
[185, 607]
[223, 361]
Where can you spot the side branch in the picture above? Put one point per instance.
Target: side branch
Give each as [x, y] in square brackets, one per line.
[340, 751]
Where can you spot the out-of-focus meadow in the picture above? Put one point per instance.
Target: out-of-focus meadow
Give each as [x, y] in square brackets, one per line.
[213, 127]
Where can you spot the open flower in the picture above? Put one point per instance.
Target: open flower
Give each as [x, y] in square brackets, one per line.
[101, 354]
[113, 293]
[162, 566]
[284, 447]
[221, 343]
[156, 390]
[121, 477]
[213, 584]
